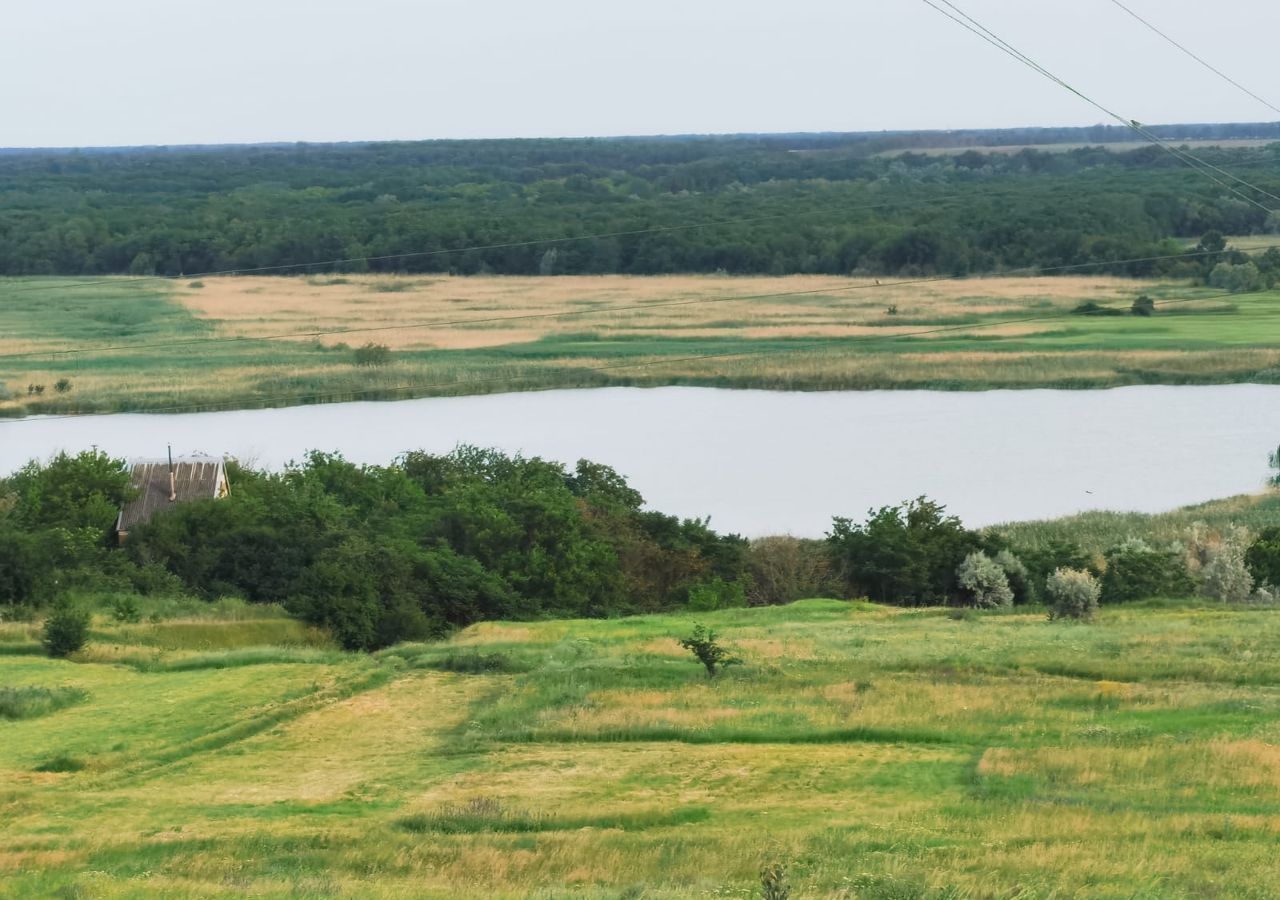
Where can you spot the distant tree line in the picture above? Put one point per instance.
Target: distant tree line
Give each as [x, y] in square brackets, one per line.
[410, 550]
[785, 204]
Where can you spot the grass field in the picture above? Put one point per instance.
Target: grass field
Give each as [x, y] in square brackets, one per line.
[830, 333]
[874, 752]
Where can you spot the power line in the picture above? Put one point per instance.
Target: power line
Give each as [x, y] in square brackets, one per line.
[1203, 166]
[347, 395]
[1212, 68]
[1190, 159]
[520, 317]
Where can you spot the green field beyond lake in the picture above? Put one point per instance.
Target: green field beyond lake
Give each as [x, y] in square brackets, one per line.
[154, 345]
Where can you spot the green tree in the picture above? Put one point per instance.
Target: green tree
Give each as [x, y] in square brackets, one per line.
[1137, 571]
[1072, 594]
[906, 554]
[985, 581]
[703, 645]
[66, 628]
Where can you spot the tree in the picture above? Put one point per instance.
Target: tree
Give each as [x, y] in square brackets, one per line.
[1237, 278]
[1137, 571]
[906, 554]
[702, 644]
[784, 569]
[985, 581]
[84, 491]
[1018, 576]
[1143, 306]
[1263, 557]
[66, 629]
[1072, 594]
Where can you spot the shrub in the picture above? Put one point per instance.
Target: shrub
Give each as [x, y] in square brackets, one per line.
[1235, 278]
[62, 385]
[985, 581]
[372, 354]
[124, 608]
[702, 644]
[66, 629]
[1018, 576]
[1143, 306]
[1091, 308]
[1136, 571]
[785, 569]
[717, 594]
[1217, 561]
[1263, 557]
[1072, 594]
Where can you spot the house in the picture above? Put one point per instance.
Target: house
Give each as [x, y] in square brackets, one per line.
[162, 483]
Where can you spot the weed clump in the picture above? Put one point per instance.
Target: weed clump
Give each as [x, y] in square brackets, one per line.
[773, 882]
[372, 354]
[63, 762]
[31, 701]
[475, 663]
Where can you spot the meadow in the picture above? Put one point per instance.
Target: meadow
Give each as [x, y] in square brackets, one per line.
[872, 752]
[464, 335]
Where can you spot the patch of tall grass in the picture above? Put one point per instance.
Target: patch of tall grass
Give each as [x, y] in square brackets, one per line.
[481, 815]
[31, 701]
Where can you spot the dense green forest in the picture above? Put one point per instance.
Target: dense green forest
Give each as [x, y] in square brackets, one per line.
[381, 554]
[784, 204]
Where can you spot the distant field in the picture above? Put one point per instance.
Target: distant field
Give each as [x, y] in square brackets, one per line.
[875, 753]
[478, 334]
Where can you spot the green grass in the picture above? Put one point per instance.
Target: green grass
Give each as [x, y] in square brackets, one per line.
[875, 752]
[1187, 343]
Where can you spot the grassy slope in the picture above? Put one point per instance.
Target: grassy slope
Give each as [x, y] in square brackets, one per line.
[879, 753]
[815, 341]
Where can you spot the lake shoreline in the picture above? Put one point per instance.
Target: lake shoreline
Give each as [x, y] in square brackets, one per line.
[763, 462]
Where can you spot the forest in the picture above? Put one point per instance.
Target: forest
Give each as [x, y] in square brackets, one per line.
[411, 550]
[746, 204]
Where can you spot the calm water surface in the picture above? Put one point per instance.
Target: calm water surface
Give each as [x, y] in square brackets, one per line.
[761, 462]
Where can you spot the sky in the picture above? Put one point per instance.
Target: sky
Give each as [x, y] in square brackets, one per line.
[129, 72]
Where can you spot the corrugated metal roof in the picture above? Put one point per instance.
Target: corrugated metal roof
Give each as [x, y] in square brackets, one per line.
[194, 479]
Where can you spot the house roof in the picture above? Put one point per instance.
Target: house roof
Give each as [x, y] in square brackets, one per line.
[194, 479]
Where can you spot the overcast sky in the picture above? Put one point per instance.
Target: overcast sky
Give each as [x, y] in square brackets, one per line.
[111, 72]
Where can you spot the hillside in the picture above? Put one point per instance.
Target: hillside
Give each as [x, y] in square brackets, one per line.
[874, 752]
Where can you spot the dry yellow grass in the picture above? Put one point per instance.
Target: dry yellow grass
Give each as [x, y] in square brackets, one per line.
[258, 306]
[483, 334]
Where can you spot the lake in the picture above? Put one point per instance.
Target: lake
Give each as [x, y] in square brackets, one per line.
[763, 462]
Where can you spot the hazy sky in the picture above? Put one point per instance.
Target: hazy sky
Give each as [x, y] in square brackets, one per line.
[103, 72]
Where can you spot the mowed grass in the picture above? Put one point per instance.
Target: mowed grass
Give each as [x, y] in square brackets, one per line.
[480, 335]
[875, 752]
